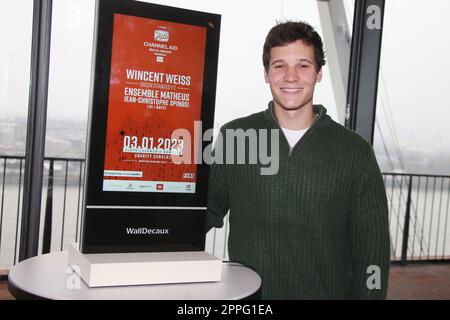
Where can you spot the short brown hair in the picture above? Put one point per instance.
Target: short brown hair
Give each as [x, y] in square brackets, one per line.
[291, 31]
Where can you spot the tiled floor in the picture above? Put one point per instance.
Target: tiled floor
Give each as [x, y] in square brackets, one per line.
[411, 282]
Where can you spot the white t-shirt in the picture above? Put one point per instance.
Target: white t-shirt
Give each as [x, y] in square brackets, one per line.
[293, 136]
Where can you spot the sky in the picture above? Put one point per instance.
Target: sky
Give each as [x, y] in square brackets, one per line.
[413, 78]
[414, 70]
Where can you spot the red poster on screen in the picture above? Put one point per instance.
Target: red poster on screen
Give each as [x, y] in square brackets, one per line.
[155, 88]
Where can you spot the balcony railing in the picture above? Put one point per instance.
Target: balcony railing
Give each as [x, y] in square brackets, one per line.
[418, 212]
[61, 205]
[419, 217]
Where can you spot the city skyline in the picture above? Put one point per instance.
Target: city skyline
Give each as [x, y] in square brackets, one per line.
[71, 143]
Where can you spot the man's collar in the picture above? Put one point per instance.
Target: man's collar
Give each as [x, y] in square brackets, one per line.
[318, 109]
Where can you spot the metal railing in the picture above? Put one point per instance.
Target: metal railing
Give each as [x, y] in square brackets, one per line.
[61, 205]
[419, 217]
[418, 212]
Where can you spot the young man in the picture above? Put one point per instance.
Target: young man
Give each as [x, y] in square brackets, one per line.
[318, 228]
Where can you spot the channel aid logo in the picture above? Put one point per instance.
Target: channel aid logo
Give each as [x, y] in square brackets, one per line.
[161, 35]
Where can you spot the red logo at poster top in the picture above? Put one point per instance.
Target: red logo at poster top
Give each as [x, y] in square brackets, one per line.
[161, 35]
[159, 186]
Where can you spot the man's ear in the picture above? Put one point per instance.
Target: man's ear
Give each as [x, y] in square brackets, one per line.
[266, 76]
[319, 75]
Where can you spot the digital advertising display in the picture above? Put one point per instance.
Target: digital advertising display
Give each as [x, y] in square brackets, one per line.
[153, 87]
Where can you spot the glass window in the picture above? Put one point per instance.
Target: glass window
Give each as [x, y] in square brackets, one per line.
[241, 88]
[67, 115]
[411, 133]
[15, 38]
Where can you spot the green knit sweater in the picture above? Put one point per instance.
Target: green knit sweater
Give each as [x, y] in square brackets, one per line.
[314, 229]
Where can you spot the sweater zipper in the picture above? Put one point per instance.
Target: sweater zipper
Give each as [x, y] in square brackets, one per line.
[291, 149]
[282, 133]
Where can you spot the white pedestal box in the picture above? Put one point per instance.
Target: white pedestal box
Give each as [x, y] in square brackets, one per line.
[121, 269]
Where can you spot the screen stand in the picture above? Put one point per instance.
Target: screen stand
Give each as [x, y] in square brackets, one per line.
[120, 269]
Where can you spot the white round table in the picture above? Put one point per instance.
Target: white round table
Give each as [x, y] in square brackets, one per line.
[49, 277]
